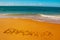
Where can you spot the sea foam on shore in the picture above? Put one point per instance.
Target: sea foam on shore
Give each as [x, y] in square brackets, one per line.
[37, 17]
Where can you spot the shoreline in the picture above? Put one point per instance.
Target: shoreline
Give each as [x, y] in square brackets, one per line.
[35, 17]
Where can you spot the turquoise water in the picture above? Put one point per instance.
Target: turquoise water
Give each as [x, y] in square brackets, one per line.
[29, 10]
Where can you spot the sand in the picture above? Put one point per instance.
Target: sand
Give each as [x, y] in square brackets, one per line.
[28, 29]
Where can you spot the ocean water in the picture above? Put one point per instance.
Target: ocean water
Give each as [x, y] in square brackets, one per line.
[29, 10]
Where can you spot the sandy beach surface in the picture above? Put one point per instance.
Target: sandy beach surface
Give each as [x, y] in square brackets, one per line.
[28, 28]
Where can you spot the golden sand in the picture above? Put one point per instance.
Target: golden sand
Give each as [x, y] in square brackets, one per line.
[26, 29]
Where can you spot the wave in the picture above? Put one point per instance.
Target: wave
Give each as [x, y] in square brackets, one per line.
[50, 16]
[40, 15]
[36, 17]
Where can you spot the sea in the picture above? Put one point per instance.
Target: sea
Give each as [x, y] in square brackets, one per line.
[29, 10]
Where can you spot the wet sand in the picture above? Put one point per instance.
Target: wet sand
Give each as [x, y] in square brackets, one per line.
[28, 29]
[35, 17]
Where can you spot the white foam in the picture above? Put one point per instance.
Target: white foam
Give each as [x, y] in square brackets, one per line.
[3, 14]
[50, 16]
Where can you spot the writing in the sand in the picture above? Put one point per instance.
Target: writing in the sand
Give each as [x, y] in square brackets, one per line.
[15, 31]
[45, 34]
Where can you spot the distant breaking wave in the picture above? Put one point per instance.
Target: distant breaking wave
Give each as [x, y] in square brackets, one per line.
[51, 16]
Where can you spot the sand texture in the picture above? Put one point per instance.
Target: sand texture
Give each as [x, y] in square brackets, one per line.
[27, 29]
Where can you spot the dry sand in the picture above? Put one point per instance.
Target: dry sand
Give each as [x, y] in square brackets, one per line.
[27, 29]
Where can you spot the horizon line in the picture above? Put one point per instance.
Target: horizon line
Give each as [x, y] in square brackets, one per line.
[29, 5]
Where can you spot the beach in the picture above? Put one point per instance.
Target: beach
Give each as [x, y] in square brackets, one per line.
[29, 23]
[28, 27]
